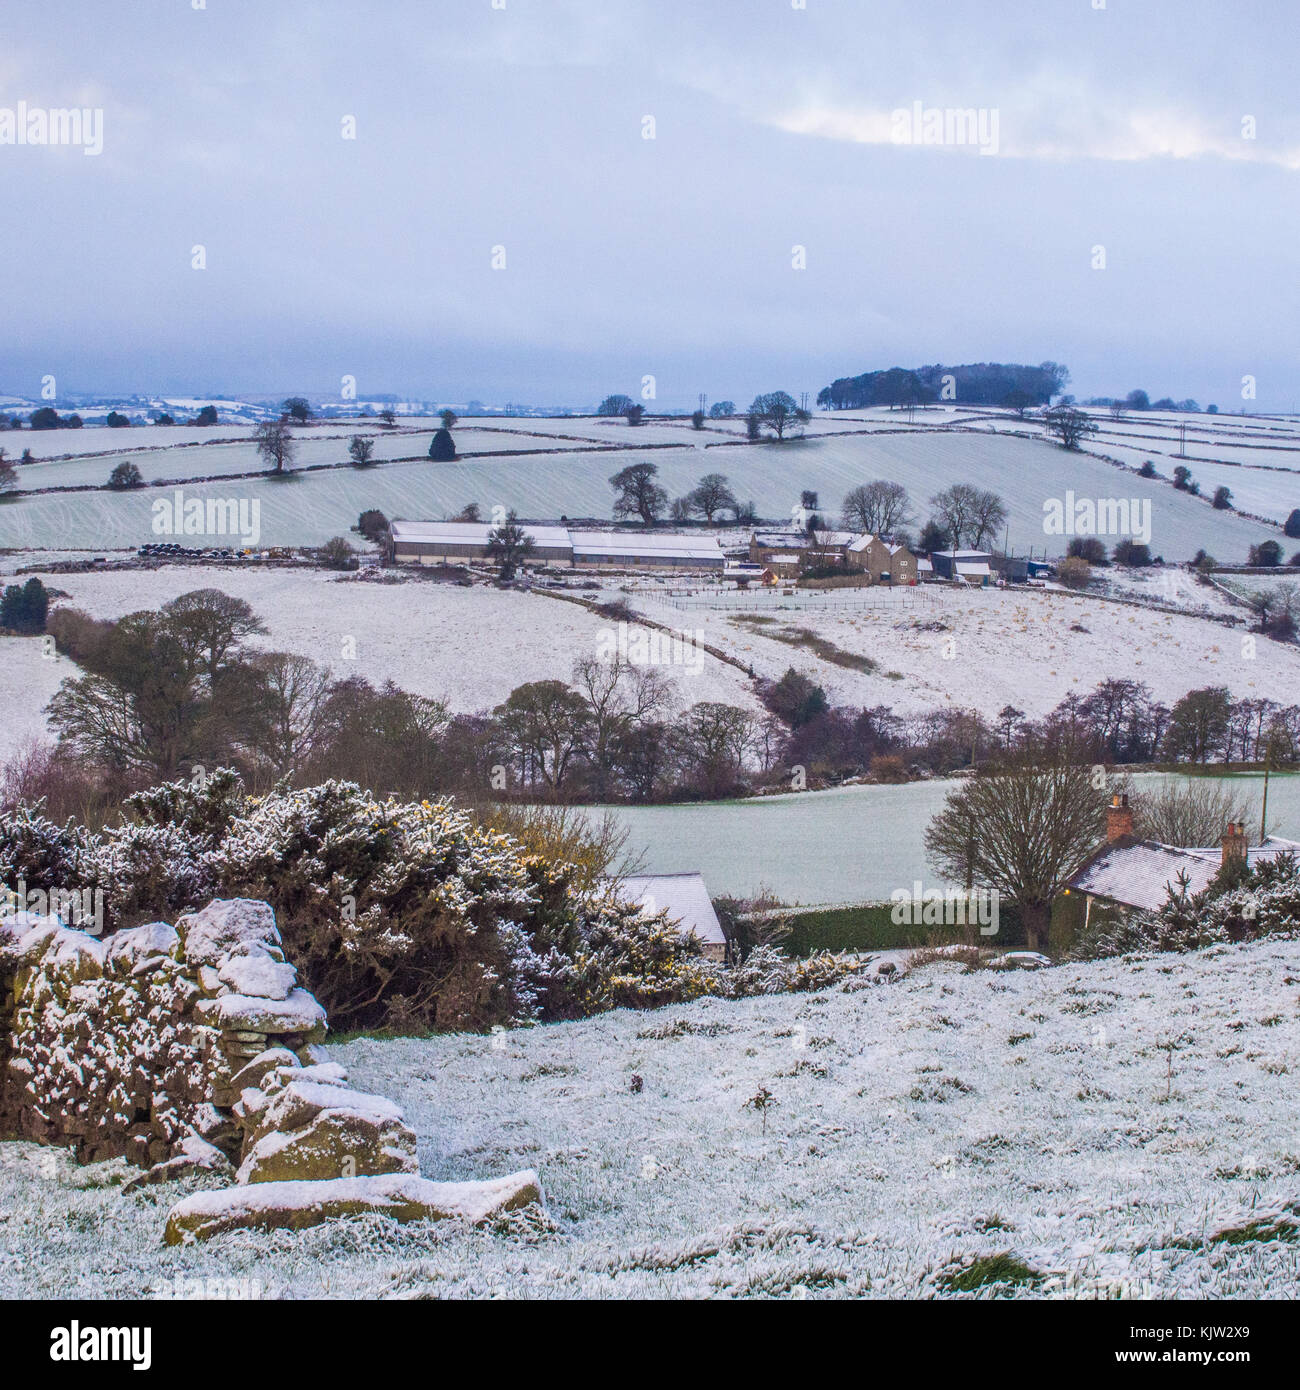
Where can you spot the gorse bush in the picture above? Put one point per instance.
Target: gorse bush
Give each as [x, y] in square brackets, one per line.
[401, 915]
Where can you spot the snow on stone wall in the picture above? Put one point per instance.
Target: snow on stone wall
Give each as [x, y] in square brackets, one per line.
[188, 1048]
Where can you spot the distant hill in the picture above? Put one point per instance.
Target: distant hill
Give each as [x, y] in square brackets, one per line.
[975, 383]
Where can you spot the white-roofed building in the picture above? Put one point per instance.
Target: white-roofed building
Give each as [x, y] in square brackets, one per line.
[970, 566]
[686, 900]
[448, 542]
[658, 548]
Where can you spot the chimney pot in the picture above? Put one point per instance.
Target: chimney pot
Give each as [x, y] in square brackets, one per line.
[1234, 841]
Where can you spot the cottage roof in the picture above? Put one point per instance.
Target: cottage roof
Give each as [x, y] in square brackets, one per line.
[1142, 873]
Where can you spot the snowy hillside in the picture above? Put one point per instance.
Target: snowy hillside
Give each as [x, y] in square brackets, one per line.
[1122, 1129]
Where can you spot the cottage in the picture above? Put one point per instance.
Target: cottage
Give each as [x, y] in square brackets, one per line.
[887, 562]
[687, 902]
[1129, 873]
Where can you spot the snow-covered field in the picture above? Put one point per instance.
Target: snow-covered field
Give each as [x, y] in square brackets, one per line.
[939, 447]
[999, 647]
[1123, 1129]
[471, 647]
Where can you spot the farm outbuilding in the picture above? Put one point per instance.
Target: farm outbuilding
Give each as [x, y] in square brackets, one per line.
[686, 899]
[456, 542]
[969, 566]
[631, 548]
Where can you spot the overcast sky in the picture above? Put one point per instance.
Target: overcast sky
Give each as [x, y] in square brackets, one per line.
[523, 127]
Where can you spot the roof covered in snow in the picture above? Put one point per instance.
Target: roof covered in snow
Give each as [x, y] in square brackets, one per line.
[1142, 873]
[661, 545]
[469, 533]
[685, 897]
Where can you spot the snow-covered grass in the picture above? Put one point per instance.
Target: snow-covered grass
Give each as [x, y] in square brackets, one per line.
[1021, 647]
[925, 458]
[1117, 1129]
[471, 647]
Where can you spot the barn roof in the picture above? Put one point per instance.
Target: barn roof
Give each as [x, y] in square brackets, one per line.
[620, 544]
[469, 533]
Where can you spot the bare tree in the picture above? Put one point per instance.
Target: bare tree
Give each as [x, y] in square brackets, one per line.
[711, 496]
[275, 444]
[1191, 814]
[290, 708]
[209, 625]
[361, 450]
[619, 697]
[878, 508]
[970, 515]
[1022, 830]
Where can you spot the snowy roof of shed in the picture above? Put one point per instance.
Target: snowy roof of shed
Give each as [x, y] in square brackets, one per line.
[685, 897]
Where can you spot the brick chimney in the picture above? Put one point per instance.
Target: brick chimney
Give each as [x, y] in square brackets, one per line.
[1234, 841]
[1119, 818]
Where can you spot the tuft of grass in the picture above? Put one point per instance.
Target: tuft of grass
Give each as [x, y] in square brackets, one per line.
[1002, 1268]
[1278, 1226]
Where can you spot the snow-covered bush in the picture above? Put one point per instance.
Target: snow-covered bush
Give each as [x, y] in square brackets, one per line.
[407, 916]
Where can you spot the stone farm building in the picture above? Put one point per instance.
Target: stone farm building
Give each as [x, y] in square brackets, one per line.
[789, 553]
[687, 900]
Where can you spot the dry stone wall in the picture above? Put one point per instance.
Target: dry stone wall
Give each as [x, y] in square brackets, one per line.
[190, 1047]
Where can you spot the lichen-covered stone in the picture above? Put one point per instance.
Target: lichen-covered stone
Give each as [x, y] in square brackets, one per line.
[212, 936]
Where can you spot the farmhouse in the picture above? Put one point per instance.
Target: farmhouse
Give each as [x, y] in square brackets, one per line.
[456, 542]
[687, 901]
[887, 562]
[1130, 873]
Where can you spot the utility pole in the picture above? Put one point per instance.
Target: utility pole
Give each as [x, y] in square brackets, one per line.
[1263, 810]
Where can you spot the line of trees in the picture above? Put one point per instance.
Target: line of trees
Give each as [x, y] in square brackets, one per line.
[164, 692]
[977, 383]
